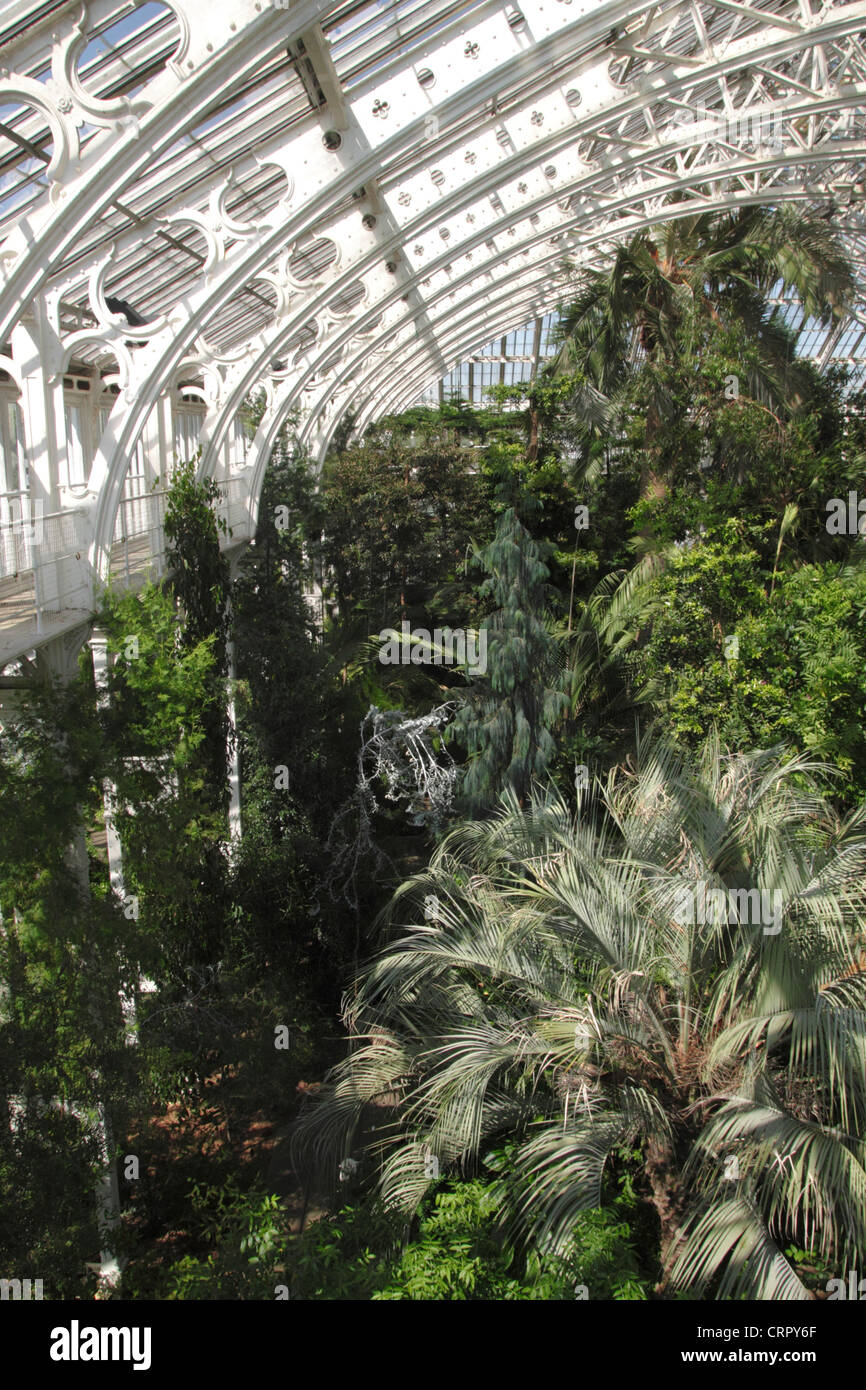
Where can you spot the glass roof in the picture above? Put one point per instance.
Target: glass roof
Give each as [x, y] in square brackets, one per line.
[186, 157]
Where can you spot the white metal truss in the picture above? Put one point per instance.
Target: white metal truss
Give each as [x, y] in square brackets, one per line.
[337, 203]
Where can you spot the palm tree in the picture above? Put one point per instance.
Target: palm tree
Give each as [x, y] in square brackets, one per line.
[665, 285]
[667, 289]
[546, 983]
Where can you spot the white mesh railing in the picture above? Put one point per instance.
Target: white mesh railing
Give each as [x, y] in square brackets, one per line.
[43, 562]
[233, 508]
[62, 580]
[139, 536]
[44, 558]
[20, 533]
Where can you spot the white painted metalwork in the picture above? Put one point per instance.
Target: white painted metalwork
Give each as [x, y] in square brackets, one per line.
[339, 203]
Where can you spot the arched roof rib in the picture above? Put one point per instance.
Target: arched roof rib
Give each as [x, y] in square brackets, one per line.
[747, 167]
[397, 378]
[182, 166]
[382, 389]
[357, 161]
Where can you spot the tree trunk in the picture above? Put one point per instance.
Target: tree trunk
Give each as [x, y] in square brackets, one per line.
[532, 446]
[571, 595]
[668, 1198]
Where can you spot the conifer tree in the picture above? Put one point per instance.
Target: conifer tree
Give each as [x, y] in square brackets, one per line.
[200, 582]
[510, 710]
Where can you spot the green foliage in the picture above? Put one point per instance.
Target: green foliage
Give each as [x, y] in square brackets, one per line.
[345, 1255]
[238, 1232]
[61, 1033]
[706, 461]
[559, 994]
[507, 715]
[455, 1252]
[669, 283]
[198, 568]
[297, 721]
[199, 579]
[47, 1211]
[459, 1254]
[60, 1022]
[397, 523]
[799, 670]
[157, 723]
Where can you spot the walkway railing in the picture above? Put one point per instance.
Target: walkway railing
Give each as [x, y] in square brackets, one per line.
[139, 537]
[44, 573]
[43, 563]
[234, 507]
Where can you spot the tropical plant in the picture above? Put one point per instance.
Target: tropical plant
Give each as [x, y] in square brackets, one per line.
[572, 983]
[664, 285]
